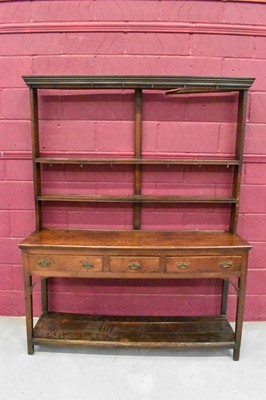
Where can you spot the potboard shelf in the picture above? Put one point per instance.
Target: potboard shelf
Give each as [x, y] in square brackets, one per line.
[63, 329]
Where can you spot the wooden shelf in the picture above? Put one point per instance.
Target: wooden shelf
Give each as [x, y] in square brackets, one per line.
[134, 161]
[137, 199]
[61, 329]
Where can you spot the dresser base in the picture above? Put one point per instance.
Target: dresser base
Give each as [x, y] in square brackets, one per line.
[129, 255]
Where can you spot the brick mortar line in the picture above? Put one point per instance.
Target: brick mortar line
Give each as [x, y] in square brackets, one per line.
[189, 57]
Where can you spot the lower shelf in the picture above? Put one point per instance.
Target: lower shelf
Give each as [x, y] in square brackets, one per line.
[64, 329]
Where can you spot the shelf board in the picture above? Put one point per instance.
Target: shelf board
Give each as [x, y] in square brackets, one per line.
[61, 329]
[134, 161]
[136, 199]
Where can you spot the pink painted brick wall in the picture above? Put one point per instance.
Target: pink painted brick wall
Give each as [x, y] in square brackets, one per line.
[130, 37]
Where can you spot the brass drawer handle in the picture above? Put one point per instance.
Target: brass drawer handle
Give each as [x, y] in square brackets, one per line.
[226, 264]
[87, 265]
[44, 263]
[134, 265]
[182, 265]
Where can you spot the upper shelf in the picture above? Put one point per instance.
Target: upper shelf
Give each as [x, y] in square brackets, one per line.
[135, 161]
[138, 82]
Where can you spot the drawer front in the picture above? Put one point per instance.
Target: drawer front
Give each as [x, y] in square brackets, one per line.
[134, 264]
[59, 262]
[203, 264]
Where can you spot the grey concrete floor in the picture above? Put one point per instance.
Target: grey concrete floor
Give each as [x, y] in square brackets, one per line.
[55, 374]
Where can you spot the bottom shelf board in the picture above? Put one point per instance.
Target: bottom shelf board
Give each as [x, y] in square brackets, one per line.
[63, 329]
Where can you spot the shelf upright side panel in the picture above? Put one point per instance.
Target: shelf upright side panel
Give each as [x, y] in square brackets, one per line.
[240, 137]
[138, 154]
[35, 154]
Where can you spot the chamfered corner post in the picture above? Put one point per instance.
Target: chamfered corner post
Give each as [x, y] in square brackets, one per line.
[239, 146]
[28, 305]
[44, 287]
[224, 301]
[138, 154]
[242, 281]
[34, 107]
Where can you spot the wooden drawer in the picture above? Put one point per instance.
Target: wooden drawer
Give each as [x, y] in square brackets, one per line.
[60, 262]
[134, 264]
[203, 264]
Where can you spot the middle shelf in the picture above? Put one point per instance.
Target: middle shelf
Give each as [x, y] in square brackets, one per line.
[136, 161]
[137, 199]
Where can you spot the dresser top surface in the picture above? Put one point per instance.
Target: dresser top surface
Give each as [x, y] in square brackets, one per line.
[139, 239]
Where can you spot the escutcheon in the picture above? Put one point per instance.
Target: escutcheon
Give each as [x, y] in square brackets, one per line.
[226, 264]
[87, 264]
[182, 265]
[134, 265]
[44, 263]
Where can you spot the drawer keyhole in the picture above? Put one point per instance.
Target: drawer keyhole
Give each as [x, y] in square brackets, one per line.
[134, 265]
[87, 265]
[182, 265]
[44, 263]
[226, 264]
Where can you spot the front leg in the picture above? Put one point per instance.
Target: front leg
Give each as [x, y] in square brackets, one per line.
[29, 311]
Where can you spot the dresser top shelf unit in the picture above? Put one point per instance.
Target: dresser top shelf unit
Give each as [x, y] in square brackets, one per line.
[168, 85]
